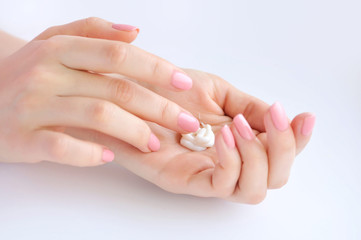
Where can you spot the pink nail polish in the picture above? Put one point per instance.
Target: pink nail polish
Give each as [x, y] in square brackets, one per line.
[228, 136]
[154, 143]
[124, 27]
[181, 81]
[308, 124]
[188, 122]
[279, 116]
[108, 156]
[243, 127]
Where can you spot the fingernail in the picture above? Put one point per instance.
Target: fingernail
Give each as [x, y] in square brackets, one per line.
[188, 122]
[124, 27]
[308, 124]
[243, 127]
[181, 81]
[279, 116]
[228, 136]
[153, 144]
[108, 156]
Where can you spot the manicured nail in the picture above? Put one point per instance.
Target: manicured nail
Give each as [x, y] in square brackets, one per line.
[308, 124]
[153, 144]
[188, 122]
[279, 116]
[243, 127]
[228, 136]
[181, 81]
[108, 156]
[124, 27]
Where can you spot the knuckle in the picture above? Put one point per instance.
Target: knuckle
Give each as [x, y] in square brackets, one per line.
[121, 90]
[51, 29]
[101, 112]
[58, 147]
[26, 104]
[53, 42]
[155, 66]
[37, 77]
[91, 21]
[118, 54]
[49, 46]
[166, 109]
[35, 81]
[249, 109]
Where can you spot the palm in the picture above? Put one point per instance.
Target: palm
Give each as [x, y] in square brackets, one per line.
[173, 166]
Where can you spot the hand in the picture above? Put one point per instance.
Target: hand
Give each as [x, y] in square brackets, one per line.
[241, 166]
[57, 82]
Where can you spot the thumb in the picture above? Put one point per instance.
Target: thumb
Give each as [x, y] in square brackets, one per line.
[93, 27]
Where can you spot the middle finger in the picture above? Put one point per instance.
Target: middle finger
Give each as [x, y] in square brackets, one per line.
[131, 97]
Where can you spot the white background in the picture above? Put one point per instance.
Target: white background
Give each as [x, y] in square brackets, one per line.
[305, 54]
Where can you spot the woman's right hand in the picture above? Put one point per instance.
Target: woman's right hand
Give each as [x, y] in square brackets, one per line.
[55, 83]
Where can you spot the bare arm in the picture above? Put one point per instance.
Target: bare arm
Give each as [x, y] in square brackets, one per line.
[9, 44]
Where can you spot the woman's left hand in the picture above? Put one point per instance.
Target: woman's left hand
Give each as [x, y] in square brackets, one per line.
[246, 159]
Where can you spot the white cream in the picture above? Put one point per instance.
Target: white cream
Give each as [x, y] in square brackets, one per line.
[200, 140]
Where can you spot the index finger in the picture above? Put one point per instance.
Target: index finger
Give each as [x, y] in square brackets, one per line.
[105, 56]
[92, 27]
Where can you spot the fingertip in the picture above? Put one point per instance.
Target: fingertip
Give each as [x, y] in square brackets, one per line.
[126, 33]
[279, 117]
[303, 125]
[228, 137]
[125, 27]
[187, 122]
[181, 81]
[154, 143]
[107, 155]
[308, 124]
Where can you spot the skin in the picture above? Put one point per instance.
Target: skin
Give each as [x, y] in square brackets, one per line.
[54, 81]
[241, 174]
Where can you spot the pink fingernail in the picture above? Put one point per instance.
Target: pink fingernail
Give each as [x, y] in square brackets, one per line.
[181, 81]
[308, 124]
[228, 136]
[108, 156]
[279, 116]
[188, 122]
[243, 127]
[124, 27]
[154, 143]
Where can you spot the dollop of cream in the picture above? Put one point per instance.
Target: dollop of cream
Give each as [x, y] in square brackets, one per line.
[200, 140]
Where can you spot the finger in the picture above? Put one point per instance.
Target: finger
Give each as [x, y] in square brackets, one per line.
[281, 146]
[61, 148]
[219, 177]
[93, 27]
[131, 97]
[101, 116]
[226, 172]
[252, 184]
[253, 109]
[302, 126]
[117, 57]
